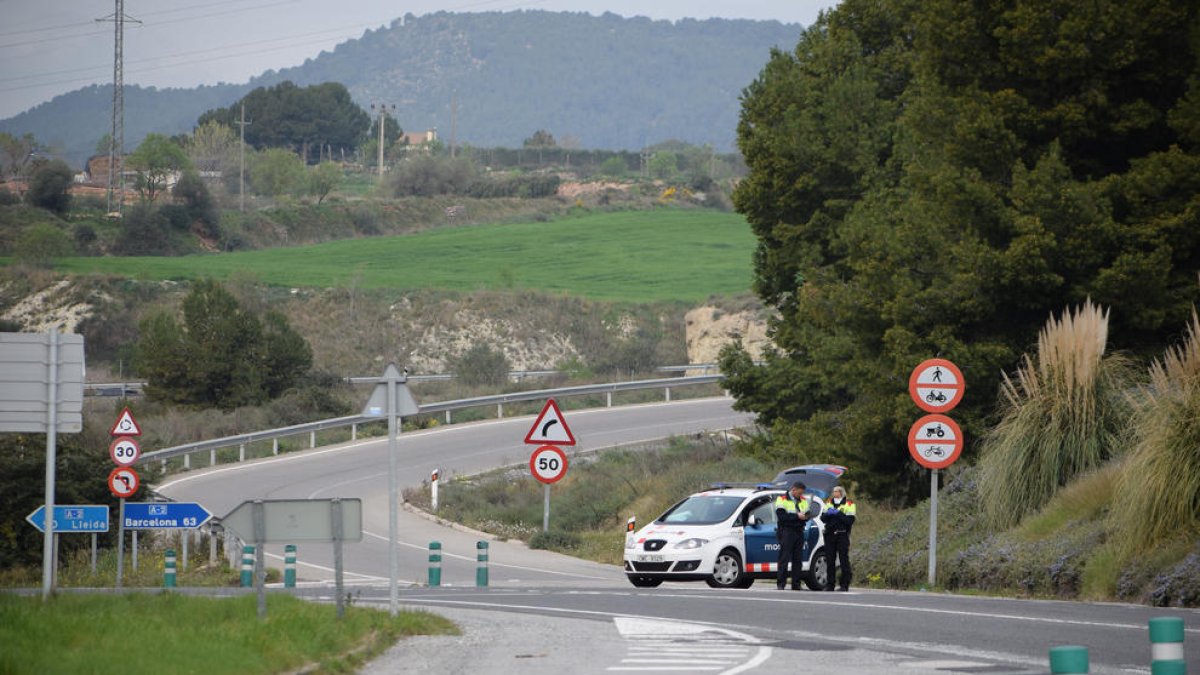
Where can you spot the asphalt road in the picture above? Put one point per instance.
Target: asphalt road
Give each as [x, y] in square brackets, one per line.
[545, 612]
[360, 470]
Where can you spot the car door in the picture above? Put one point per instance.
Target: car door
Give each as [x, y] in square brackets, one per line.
[762, 548]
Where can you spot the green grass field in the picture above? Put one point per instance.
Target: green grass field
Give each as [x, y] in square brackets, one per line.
[172, 633]
[637, 256]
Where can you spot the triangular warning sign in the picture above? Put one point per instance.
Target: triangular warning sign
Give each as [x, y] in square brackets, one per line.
[125, 425]
[550, 428]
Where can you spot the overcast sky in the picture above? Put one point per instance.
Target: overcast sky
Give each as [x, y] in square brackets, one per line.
[50, 47]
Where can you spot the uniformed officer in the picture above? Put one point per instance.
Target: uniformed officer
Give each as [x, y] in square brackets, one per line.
[839, 518]
[791, 515]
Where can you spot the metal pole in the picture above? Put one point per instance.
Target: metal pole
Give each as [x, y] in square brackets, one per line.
[51, 466]
[120, 541]
[133, 551]
[546, 511]
[933, 506]
[183, 560]
[93, 554]
[260, 571]
[337, 557]
[393, 505]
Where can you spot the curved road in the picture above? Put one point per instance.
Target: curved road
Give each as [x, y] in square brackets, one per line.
[550, 613]
[360, 470]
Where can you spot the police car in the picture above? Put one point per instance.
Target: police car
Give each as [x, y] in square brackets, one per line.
[724, 536]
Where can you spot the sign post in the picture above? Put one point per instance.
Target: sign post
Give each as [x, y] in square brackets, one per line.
[295, 520]
[549, 463]
[124, 451]
[935, 441]
[41, 391]
[392, 397]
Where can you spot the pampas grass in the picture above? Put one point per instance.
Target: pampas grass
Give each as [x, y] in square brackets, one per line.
[1061, 416]
[1159, 491]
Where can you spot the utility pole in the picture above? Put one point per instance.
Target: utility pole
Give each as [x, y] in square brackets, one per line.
[116, 138]
[453, 121]
[382, 118]
[242, 172]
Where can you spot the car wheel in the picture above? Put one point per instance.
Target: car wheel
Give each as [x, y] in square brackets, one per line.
[817, 578]
[727, 571]
[645, 582]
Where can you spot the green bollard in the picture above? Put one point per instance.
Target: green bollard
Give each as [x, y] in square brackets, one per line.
[1166, 646]
[289, 566]
[481, 572]
[1068, 660]
[247, 566]
[435, 564]
[169, 569]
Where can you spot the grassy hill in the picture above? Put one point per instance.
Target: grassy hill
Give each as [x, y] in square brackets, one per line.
[644, 256]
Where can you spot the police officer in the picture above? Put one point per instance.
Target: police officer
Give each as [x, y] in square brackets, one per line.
[839, 517]
[791, 514]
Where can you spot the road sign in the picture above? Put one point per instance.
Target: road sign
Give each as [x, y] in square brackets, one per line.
[125, 425]
[550, 428]
[935, 441]
[406, 405]
[548, 464]
[123, 482]
[124, 450]
[936, 385]
[165, 515]
[26, 364]
[73, 518]
[289, 521]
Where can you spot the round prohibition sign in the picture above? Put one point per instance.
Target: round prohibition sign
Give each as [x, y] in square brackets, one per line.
[548, 464]
[124, 450]
[123, 482]
[936, 385]
[935, 441]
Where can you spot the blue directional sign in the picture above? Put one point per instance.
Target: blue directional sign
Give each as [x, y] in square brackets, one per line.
[72, 518]
[165, 515]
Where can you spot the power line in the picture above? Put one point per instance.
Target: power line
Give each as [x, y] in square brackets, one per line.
[303, 39]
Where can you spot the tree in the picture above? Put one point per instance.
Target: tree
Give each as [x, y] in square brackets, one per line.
[50, 187]
[220, 354]
[16, 154]
[156, 160]
[213, 148]
[198, 202]
[305, 119]
[938, 177]
[276, 172]
[540, 139]
[481, 365]
[40, 244]
[664, 165]
[323, 179]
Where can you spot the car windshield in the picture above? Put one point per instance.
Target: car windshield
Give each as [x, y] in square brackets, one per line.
[701, 510]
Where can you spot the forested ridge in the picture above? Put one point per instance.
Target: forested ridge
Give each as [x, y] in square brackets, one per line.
[606, 82]
[937, 178]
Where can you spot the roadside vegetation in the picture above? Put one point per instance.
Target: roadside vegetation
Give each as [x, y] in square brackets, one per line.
[224, 635]
[1060, 550]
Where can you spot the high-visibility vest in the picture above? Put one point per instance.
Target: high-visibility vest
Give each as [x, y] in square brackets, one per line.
[786, 503]
[847, 508]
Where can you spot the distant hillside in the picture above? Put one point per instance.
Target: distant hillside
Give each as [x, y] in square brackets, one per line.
[609, 82]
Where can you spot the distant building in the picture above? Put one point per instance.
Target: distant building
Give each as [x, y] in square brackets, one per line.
[417, 139]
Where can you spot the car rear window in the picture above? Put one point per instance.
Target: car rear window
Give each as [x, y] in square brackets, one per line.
[701, 510]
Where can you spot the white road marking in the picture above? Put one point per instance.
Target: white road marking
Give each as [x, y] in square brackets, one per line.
[658, 644]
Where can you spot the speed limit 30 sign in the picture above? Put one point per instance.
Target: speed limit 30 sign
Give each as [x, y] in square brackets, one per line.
[548, 464]
[124, 450]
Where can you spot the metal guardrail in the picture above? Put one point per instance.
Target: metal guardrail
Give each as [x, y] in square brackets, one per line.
[241, 440]
[135, 388]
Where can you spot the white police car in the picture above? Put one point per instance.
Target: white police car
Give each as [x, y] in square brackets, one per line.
[724, 536]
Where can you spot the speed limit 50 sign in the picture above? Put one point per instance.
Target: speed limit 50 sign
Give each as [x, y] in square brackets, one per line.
[548, 464]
